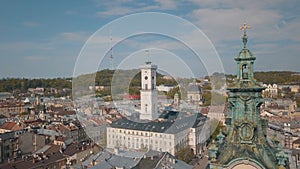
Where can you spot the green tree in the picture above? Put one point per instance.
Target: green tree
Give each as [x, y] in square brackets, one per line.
[185, 154]
[172, 92]
[24, 113]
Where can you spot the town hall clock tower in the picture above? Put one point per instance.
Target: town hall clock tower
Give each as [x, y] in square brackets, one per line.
[244, 145]
[149, 109]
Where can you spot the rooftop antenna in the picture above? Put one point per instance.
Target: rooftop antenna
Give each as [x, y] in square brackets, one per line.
[111, 50]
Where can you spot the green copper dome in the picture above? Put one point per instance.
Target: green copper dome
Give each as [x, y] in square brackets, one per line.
[245, 54]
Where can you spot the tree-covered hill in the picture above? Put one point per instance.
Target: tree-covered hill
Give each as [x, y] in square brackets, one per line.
[22, 84]
[102, 78]
[278, 77]
[105, 77]
[274, 77]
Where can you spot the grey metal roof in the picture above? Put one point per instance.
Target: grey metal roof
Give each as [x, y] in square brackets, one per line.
[174, 122]
[102, 165]
[194, 88]
[126, 162]
[182, 123]
[7, 135]
[154, 126]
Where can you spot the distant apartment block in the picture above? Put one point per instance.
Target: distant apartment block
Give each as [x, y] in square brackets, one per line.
[271, 90]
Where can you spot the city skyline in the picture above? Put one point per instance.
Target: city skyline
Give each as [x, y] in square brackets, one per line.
[43, 39]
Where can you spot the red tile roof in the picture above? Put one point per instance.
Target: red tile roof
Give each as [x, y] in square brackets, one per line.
[67, 112]
[72, 128]
[12, 126]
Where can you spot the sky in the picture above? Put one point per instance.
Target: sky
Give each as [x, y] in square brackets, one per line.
[43, 39]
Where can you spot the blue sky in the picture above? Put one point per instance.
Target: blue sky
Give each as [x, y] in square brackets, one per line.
[44, 38]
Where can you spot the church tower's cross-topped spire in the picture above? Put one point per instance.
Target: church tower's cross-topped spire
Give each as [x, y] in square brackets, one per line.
[245, 144]
[244, 28]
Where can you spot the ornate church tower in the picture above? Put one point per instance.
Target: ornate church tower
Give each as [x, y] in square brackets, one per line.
[148, 92]
[245, 144]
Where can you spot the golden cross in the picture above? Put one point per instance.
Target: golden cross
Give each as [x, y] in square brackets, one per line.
[245, 27]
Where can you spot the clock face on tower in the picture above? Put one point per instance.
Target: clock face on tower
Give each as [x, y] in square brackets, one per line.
[146, 77]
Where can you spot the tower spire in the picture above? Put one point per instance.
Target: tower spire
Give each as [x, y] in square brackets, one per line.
[244, 28]
[148, 56]
[246, 144]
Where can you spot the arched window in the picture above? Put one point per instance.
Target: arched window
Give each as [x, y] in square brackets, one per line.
[245, 71]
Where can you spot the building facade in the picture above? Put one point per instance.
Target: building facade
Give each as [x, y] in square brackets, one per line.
[8, 147]
[163, 135]
[194, 93]
[270, 90]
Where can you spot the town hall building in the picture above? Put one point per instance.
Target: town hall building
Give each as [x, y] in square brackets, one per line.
[165, 132]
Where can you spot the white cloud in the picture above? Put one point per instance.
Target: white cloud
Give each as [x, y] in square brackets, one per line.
[71, 12]
[30, 24]
[118, 10]
[245, 4]
[75, 36]
[270, 20]
[24, 46]
[290, 30]
[223, 24]
[274, 31]
[35, 58]
[123, 7]
[167, 4]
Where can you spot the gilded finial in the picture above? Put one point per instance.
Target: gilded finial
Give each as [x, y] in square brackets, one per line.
[244, 28]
